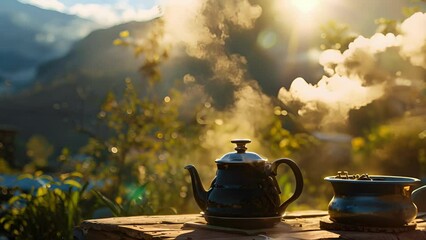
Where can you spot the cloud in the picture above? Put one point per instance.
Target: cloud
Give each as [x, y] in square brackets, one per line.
[110, 14]
[414, 39]
[101, 13]
[338, 93]
[369, 69]
[47, 4]
[105, 14]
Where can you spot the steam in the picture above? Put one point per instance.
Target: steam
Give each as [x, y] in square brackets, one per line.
[203, 30]
[413, 44]
[366, 71]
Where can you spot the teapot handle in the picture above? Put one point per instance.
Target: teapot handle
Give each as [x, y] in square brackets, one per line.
[298, 176]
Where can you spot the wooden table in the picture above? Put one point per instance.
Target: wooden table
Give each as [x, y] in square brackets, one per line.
[295, 225]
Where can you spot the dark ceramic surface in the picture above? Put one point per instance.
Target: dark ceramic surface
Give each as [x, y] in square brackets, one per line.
[384, 201]
[234, 194]
[244, 189]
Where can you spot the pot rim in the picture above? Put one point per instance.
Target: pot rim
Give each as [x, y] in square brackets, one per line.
[377, 179]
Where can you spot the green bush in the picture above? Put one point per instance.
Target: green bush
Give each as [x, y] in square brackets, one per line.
[49, 212]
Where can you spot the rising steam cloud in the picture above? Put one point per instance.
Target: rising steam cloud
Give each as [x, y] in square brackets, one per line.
[203, 29]
[366, 71]
[413, 45]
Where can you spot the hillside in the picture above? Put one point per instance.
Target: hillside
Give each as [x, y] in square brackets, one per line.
[30, 36]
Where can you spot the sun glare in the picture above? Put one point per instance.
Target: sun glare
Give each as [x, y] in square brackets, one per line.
[305, 6]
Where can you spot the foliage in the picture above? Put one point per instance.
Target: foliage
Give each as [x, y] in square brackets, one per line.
[4, 166]
[282, 142]
[135, 204]
[140, 153]
[385, 25]
[336, 35]
[395, 148]
[143, 135]
[151, 49]
[39, 151]
[48, 212]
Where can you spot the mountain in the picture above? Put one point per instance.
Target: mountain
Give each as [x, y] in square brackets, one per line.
[67, 92]
[30, 36]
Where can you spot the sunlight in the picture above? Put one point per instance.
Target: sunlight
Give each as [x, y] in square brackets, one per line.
[302, 14]
[305, 6]
[302, 18]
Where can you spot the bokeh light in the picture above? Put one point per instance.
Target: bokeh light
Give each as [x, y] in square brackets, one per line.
[267, 39]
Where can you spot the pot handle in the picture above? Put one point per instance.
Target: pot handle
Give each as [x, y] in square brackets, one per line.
[298, 176]
[419, 198]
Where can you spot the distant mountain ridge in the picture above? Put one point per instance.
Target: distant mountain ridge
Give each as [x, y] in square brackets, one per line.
[30, 36]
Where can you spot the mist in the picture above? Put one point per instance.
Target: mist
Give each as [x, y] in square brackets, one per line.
[370, 69]
[202, 30]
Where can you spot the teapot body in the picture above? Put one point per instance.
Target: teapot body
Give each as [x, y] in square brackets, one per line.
[243, 190]
[245, 187]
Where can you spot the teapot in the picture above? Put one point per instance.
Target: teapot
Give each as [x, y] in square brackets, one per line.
[245, 187]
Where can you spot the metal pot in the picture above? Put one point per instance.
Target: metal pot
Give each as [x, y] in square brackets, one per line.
[379, 201]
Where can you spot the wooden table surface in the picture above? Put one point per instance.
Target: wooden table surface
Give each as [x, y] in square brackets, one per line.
[295, 225]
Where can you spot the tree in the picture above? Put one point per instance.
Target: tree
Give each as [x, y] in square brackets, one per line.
[145, 140]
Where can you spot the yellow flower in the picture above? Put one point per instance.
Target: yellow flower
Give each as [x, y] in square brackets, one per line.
[117, 42]
[384, 131]
[124, 34]
[118, 200]
[358, 143]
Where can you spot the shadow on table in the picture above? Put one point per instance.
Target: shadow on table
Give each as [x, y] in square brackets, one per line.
[205, 231]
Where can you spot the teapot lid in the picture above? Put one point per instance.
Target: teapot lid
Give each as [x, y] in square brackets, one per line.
[241, 156]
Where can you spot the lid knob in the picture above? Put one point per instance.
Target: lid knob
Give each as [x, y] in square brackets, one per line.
[241, 144]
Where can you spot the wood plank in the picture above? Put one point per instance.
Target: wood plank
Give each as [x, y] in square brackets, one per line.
[249, 232]
[305, 235]
[117, 223]
[297, 225]
[417, 235]
[103, 235]
[141, 220]
[155, 231]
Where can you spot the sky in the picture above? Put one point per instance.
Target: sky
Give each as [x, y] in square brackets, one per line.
[112, 12]
[104, 12]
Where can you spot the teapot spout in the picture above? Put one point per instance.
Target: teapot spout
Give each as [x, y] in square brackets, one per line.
[200, 194]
